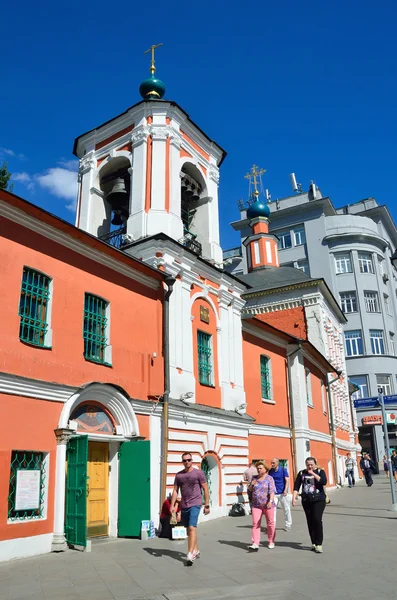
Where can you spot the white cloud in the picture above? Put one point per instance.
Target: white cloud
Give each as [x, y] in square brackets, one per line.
[70, 165]
[24, 178]
[60, 182]
[12, 153]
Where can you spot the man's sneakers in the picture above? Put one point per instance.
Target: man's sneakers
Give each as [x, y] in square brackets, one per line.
[270, 546]
[191, 557]
[253, 548]
[318, 549]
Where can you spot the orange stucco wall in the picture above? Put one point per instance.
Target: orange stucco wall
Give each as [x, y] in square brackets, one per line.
[144, 425]
[291, 321]
[318, 421]
[28, 425]
[322, 452]
[135, 318]
[209, 395]
[266, 447]
[269, 414]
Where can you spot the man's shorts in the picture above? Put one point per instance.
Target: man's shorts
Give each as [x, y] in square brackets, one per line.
[190, 516]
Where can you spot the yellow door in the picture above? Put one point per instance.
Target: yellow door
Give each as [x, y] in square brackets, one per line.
[98, 489]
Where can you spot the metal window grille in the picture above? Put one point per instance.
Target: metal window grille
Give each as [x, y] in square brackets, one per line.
[265, 377]
[348, 302]
[33, 304]
[23, 460]
[343, 262]
[95, 328]
[371, 302]
[205, 467]
[204, 358]
[377, 343]
[365, 263]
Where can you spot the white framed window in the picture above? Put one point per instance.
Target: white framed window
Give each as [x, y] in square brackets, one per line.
[365, 262]
[362, 382]
[354, 343]
[302, 265]
[343, 262]
[348, 302]
[266, 378]
[392, 345]
[387, 303]
[384, 381]
[28, 470]
[308, 380]
[377, 342]
[324, 397]
[299, 236]
[371, 302]
[284, 240]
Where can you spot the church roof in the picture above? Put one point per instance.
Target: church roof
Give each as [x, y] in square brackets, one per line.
[273, 277]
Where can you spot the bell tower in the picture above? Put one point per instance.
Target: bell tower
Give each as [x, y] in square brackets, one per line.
[150, 170]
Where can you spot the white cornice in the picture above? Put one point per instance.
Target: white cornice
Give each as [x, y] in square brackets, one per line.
[263, 335]
[269, 431]
[315, 436]
[189, 415]
[16, 385]
[58, 236]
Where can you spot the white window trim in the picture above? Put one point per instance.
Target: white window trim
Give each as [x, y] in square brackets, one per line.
[347, 257]
[351, 339]
[348, 297]
[371, 298]
[270, 400]
[366, 258]
[376, 339]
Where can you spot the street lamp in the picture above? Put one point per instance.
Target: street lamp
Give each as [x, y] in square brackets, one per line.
[387, 447]
[393, 259]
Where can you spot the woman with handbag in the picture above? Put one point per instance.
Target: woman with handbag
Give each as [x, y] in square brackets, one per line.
[263, 489]
[312, 481]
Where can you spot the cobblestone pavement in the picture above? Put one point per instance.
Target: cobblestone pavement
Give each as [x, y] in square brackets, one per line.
[358, 561]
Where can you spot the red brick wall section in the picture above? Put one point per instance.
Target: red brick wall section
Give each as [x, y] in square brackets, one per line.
[291, 321]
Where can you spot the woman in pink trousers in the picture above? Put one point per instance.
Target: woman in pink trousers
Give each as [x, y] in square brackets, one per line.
[263, 490]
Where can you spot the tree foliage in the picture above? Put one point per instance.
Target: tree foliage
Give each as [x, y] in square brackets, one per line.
[5, 177]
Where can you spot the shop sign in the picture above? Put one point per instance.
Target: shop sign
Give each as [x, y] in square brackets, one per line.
[391, 418]
[372, 420]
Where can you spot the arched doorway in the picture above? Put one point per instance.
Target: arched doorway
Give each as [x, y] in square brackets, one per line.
[210, 468]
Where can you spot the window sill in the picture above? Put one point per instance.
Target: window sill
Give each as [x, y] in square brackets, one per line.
[18, 521]
[310, 405]
[209, 385]
[98, 362]
[268, 401]
[345, 273]
[33, 345]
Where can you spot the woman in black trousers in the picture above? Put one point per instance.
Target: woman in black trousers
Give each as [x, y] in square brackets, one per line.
[312, 481]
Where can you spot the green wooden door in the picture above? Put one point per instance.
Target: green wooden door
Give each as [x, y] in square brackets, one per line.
[76, 492]
[134, 487]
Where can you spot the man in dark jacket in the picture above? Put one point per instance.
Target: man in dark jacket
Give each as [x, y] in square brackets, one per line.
[367, 466]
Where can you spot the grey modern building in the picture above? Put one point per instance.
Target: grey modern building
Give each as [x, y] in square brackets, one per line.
[350, 247]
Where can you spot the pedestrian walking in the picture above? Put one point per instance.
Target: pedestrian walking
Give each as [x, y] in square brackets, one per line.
[386, 467]
[282, 496]
[312, 481]
[367, 466]
[263, 491]
[393, 460]
[248, 475]
[191, 482]
[349, 464]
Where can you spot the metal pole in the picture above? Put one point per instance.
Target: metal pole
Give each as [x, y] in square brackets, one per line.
[387, 448]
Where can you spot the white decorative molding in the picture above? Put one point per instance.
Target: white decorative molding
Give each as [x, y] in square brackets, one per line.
[213, 174]
[269, 431]
[159, 132]
[16, 385]
[190, 416]
[67, 240]
[139, 135]
[175, 139]
[315, 436]
[87, 163]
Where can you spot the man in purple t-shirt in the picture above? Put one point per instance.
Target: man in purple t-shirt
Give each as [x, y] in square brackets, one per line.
[191, 481]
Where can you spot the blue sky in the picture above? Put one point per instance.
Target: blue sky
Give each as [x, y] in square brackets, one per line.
[308, 87]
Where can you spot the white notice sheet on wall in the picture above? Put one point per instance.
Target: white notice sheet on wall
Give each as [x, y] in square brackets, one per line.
[27, 494]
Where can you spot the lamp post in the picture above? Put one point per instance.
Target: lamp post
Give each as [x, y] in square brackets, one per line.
[387, 448]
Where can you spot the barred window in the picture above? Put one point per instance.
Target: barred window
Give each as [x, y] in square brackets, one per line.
[28, 476]
[204, 346]
[348, 302]
[95, 330]
[266, 386]
[33, 307]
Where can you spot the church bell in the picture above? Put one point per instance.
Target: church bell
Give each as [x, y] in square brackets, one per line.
[118, 196]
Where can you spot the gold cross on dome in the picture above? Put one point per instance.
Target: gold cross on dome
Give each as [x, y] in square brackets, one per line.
[152, 48]
[253, 176]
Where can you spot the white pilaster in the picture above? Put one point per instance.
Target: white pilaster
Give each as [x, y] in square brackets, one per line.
[86, 170]
[59, 541]
[136, 224]
[299, 406]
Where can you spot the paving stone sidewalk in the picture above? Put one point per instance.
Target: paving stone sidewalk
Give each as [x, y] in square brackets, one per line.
[358, 561]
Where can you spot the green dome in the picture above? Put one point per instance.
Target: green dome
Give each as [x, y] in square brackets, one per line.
[152, 88]
[259, 208]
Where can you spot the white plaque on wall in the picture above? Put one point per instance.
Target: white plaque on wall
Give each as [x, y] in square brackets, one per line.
[27, 494]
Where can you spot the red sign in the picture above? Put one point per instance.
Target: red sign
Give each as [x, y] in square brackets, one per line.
[372, 420]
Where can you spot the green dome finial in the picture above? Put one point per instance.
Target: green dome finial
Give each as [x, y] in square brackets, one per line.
[152, 88]
[258, 208]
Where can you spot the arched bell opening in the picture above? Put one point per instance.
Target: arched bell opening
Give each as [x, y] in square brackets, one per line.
[115, 183]
[193, 198]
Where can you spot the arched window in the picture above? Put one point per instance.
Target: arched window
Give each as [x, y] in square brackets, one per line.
[266, 378]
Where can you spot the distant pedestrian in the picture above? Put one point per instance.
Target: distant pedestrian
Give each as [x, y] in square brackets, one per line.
[393, 460]
[386, 467]
[312, 481]
[349, 464]
[367, 466]
[263, 491]
[281, 480]
[190, 481]
[248, 475]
